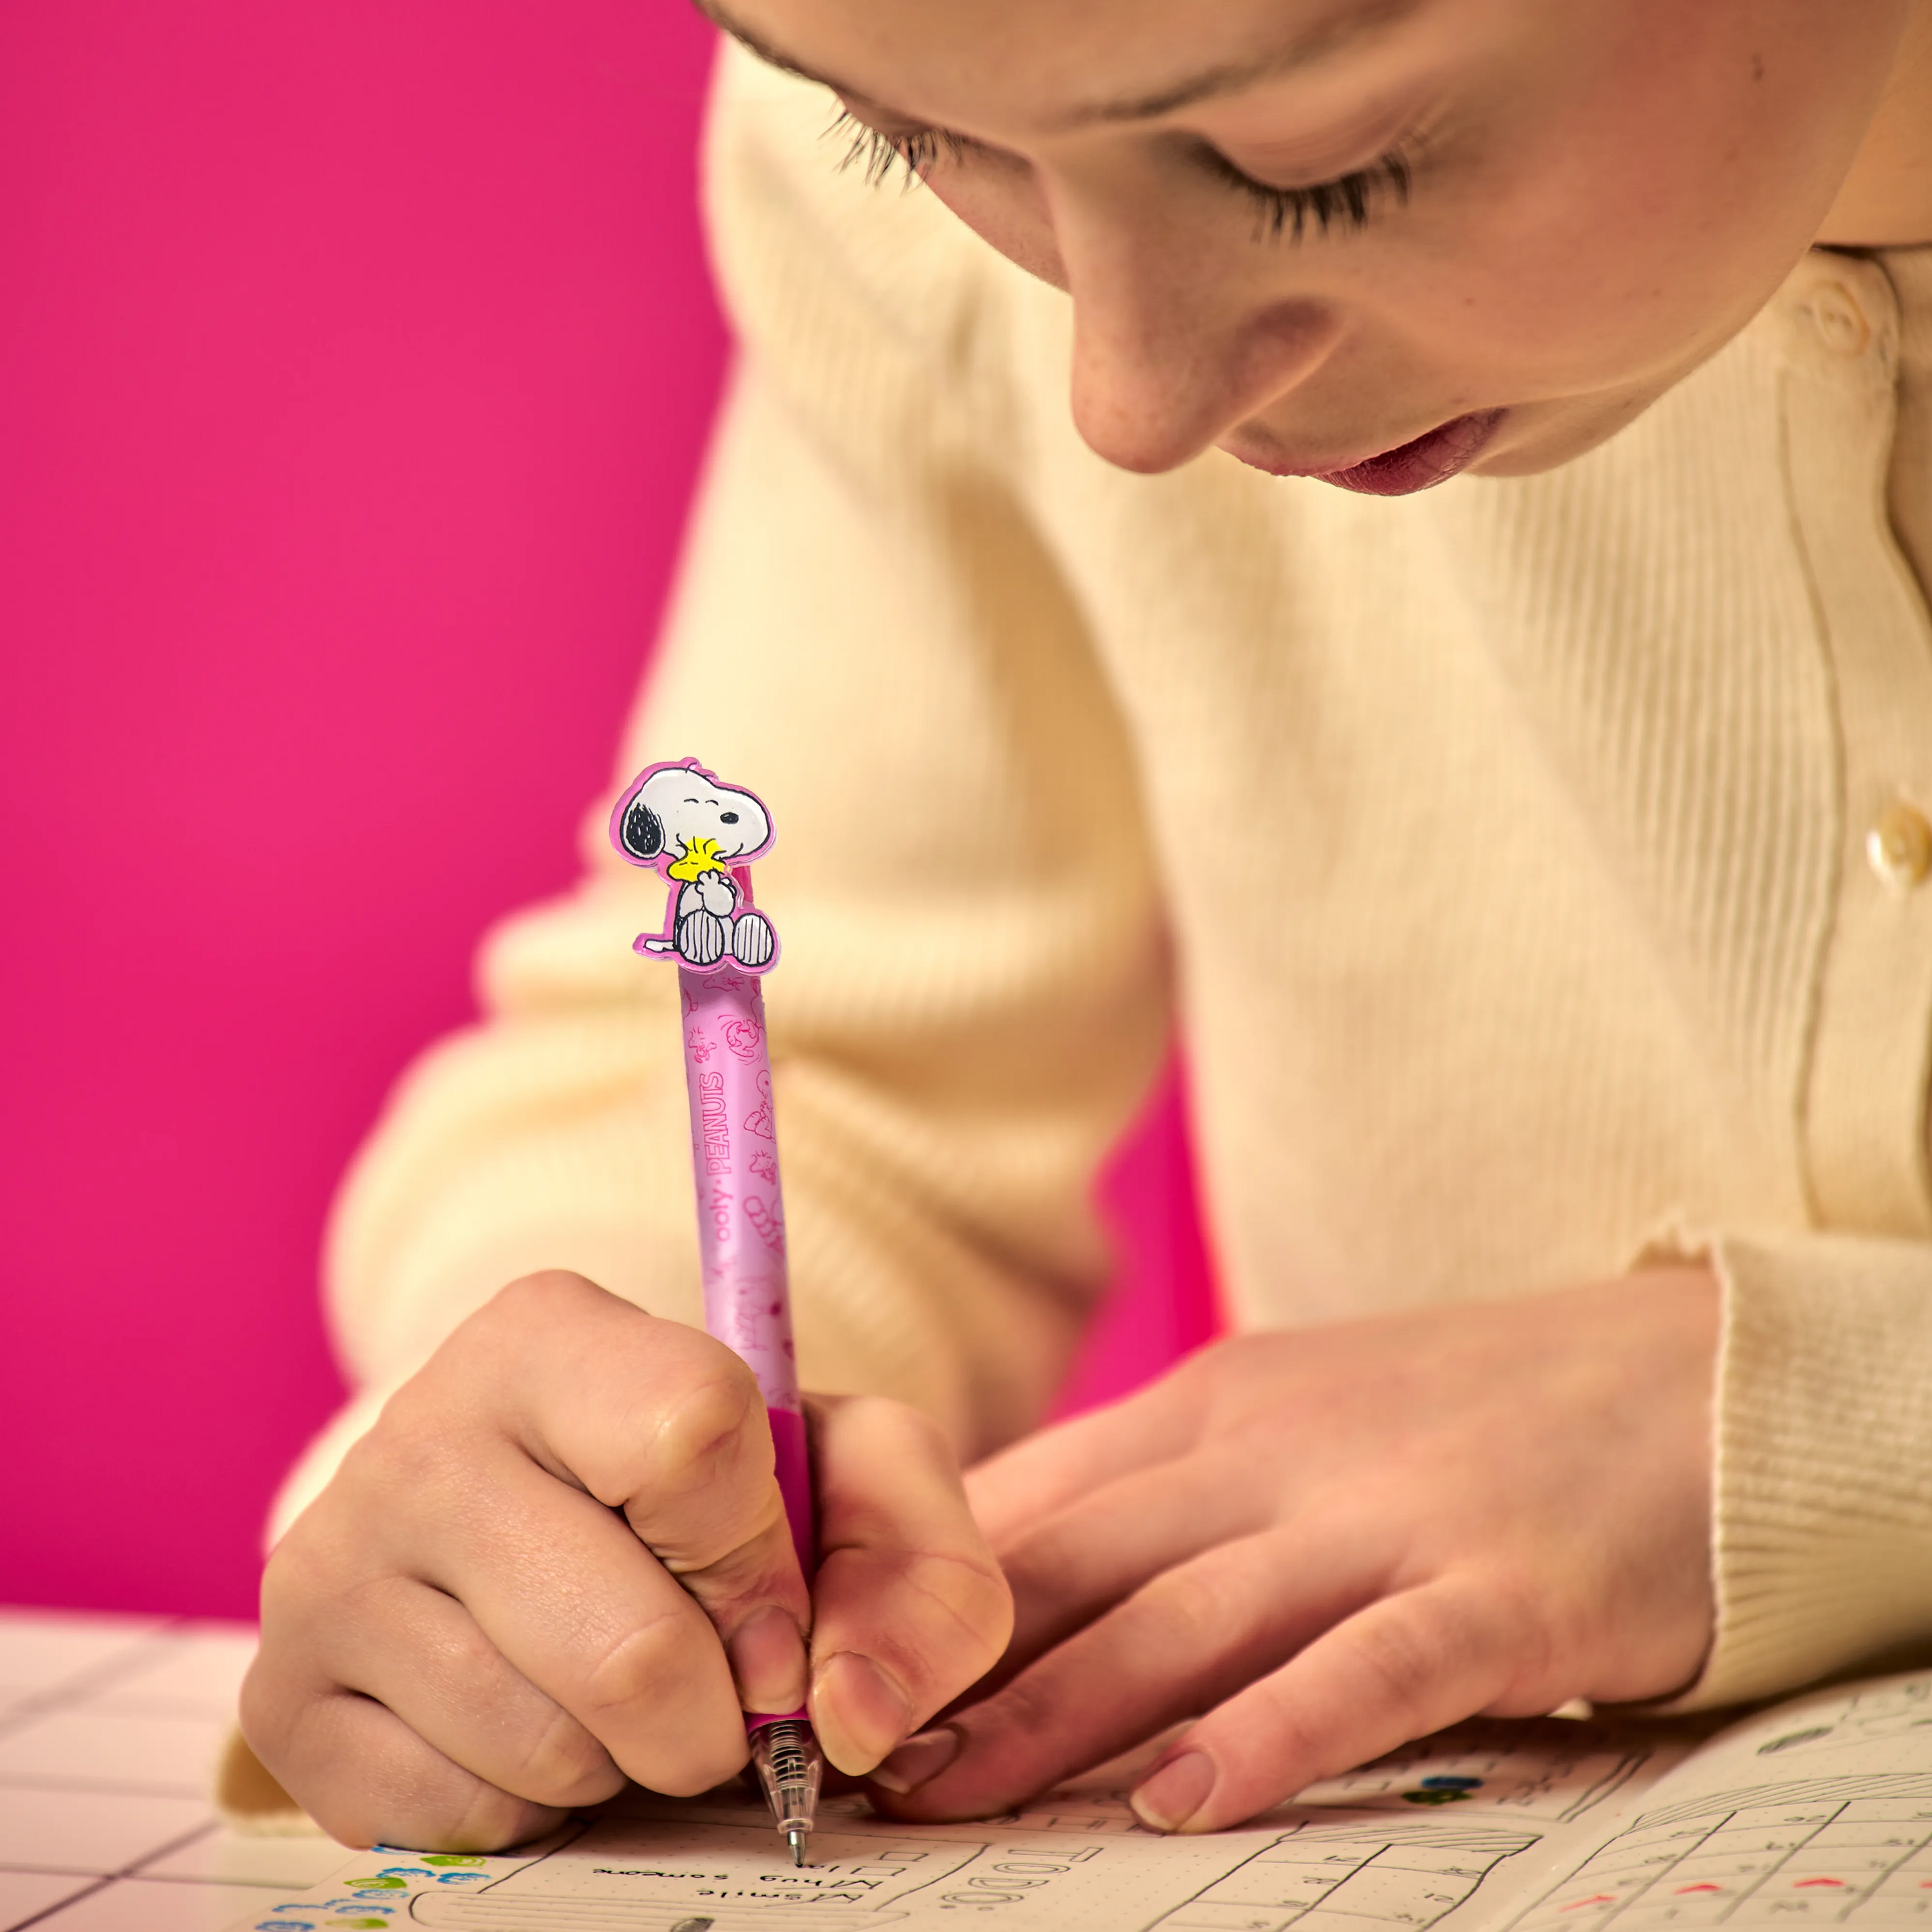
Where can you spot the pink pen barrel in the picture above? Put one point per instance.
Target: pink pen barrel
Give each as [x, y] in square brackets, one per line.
[741, 1234]
[700, 836]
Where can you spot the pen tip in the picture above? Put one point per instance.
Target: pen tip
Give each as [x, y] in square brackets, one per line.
[796, 1838]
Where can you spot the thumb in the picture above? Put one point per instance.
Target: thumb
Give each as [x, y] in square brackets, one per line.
[910, 1607]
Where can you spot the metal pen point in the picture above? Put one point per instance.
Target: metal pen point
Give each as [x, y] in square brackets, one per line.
[786, 1757]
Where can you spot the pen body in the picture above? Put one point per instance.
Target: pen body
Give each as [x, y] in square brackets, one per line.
[741, 1232]
[690, 828]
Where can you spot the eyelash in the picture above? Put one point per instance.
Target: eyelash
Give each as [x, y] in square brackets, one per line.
[875, 155]
[1349, 201]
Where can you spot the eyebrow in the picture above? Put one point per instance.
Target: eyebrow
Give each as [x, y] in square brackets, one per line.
[1339, 26]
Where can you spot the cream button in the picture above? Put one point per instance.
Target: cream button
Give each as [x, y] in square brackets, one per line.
[1899, 846]
[1839, 319]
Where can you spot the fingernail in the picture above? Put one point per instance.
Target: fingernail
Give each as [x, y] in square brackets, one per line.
[1177, 1789]
[859, 1712]
[767, 1657]
[918, 1760]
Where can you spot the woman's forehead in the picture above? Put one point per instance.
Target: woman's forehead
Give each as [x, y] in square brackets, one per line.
[1064, 63]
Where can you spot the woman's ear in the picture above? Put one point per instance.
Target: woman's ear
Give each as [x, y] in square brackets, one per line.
[643, 831]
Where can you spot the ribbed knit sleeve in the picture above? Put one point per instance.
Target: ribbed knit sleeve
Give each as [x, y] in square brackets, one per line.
[1823, 1499]
[972, 996]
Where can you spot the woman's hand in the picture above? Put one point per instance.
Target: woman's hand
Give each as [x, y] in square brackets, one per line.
[1331, 1541]
[559, 1560]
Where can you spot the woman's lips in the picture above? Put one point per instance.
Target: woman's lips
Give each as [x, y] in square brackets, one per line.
[1431, 458]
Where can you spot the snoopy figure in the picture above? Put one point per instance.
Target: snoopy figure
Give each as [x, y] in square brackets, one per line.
[698, 835]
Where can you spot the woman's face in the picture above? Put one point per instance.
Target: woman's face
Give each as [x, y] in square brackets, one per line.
[1387, 239]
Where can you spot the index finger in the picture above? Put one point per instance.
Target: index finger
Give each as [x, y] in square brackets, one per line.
[663, 1424]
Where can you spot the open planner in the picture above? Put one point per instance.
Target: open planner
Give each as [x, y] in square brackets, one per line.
[1817, 1812]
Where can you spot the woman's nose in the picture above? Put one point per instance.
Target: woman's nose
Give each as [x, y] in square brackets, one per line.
[1171, 348]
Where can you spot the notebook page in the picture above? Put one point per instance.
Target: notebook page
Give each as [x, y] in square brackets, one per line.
[1428, 1837]
[1817, 1812]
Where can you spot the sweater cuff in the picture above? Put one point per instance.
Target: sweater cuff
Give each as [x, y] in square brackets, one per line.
[1821, 1532]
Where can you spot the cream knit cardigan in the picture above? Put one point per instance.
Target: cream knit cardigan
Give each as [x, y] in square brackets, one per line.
[1499, 854]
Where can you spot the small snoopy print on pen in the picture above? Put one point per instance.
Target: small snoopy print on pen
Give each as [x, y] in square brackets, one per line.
[700, 836]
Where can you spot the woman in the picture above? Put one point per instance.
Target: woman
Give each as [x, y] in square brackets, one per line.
[1535, 867]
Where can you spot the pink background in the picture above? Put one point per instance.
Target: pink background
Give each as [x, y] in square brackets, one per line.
[356, 357]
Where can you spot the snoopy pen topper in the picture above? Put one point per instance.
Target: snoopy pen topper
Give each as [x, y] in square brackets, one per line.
[701, 836]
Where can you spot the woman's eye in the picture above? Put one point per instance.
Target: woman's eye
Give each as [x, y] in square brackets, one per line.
[1350, 201]
[877, 154]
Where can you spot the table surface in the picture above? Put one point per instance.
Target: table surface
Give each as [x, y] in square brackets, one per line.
[109, 1731]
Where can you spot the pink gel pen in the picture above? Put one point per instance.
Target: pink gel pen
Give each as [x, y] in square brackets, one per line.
[700, 837]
